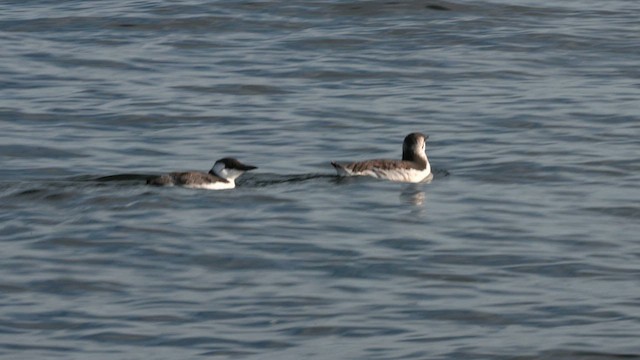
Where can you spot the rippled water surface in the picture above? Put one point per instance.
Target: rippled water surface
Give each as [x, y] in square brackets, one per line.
[525, 245]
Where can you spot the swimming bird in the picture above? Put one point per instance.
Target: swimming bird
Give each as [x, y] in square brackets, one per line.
[414, 166]
[221, 176]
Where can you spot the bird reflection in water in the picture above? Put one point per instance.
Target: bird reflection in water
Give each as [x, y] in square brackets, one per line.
[414, 193]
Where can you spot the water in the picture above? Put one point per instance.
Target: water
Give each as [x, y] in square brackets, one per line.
[525, 245]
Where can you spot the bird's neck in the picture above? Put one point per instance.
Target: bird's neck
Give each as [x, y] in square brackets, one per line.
[223, 174]
[419, 157]
[414, 155]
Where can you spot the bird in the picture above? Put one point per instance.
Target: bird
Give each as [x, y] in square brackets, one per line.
[221, 176]
[413, 168]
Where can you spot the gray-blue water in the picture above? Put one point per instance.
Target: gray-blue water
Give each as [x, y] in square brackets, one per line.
[526, 245]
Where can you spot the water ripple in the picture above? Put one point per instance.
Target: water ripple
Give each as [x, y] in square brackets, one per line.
[522, 246]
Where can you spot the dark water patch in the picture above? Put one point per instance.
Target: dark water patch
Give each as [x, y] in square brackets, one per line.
[216, 315]
[437, 7]
[56, 242]
[560, 354]
[8, 288]
[68, 60]
[230, 262]
[51, 320]
[449, 281]
[36, 152]
[432, 339]
[625, 212]
[344, 43]
[115, 337]
[237, 89]
[523, 354]
[96, 119]
[342, 331]
[227, 353]
[40, 193]
[75, 287]
[222, 343]
[137, 178]
[579, 313]
[44, 24]
[273, 179]
[469, 317]
[88, 244]
[37, 347]
[156, 319]
[74, 191]
[133, 24]
[617, 168]
[498, 261]
[304, 250]
[517, 172]
[384, 8]
[203, 24]
[571, 269]
[364, 267]
[405, 244]
[521, 11]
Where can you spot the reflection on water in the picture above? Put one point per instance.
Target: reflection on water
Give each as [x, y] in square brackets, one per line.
[413, 194]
